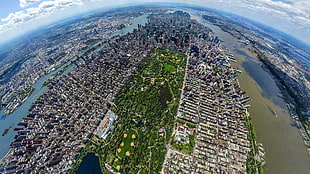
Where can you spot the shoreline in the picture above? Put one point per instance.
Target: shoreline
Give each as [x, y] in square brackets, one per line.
[261, 88]
[3, 161]
[294, 107]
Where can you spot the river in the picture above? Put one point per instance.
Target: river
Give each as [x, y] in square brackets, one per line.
[285, 150]
[13, 119]
[142, 20]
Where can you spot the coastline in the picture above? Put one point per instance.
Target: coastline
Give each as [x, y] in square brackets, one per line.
[4, 160]
[262, 110]
[281, 139]
[293, 104]
[273, 117]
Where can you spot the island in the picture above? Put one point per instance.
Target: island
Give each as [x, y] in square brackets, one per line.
[160, 94]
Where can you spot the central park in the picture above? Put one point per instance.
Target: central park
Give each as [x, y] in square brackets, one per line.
[147, 107]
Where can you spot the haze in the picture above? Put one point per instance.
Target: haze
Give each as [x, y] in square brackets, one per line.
[20, 16]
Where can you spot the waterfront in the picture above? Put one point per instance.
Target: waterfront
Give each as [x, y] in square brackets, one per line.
[273, 125]
[13, 119]
[140, 20]
[285, 150]
[90, 164]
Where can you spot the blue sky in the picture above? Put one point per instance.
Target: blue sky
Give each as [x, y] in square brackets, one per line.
[284, 1]
[20, 16]
[8, 7]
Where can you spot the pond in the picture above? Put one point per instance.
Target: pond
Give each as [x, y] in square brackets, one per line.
[90, 164]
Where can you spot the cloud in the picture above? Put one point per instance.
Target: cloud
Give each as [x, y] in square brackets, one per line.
[45, 8]
[290, 16]
[47, 4]
[286, 15]
[284, 1]
[33, 11]
[25, 3]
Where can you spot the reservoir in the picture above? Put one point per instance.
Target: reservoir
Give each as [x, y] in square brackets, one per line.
[285, 150]
[90, 164]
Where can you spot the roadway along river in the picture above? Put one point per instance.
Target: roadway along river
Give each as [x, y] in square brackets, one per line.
[13, 119]
[285, 150]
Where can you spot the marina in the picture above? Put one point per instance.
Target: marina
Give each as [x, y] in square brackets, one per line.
[234, 102]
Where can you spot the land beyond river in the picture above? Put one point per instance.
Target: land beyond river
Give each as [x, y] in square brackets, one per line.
[275, 129]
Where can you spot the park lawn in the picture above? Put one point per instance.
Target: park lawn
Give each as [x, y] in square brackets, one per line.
[169, 68]
[128, 138]
[144, 108]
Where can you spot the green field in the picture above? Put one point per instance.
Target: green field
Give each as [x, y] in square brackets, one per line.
[146, 107]
[187, 148]
[127, 144]
[5, 131]
[170, 68]
[91, 41]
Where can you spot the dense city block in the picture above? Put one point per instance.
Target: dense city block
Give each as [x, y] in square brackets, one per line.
[148, 90]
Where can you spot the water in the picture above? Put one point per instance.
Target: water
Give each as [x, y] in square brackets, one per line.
[285, 150]
[90, 164]
[142, 20]
[13, 119]
[165, 97]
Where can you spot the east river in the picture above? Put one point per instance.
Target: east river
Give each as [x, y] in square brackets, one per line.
[11, 121]
[285, 150]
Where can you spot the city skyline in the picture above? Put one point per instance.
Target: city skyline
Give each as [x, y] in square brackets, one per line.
[154, 88]
[18, 17]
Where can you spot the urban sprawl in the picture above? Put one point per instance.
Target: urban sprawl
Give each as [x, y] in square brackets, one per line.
[212, 121]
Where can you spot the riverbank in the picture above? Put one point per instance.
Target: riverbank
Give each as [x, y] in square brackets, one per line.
[273, 125]
[272, 122]
[22, 111]
[294, 106]
[255, 159]
[16, 117]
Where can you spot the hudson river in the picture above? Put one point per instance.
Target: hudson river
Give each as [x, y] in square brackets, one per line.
[285, 150]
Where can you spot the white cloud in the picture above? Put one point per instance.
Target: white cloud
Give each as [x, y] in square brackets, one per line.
[25, 3]
[45, 8]
[288, 16]
[47, 4]
[33, 11]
